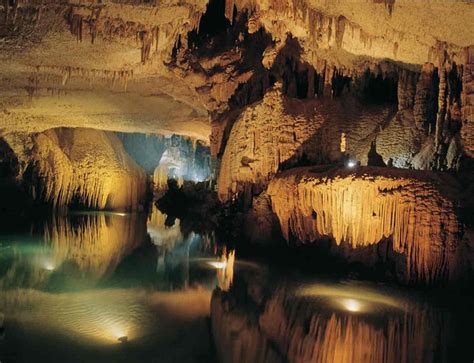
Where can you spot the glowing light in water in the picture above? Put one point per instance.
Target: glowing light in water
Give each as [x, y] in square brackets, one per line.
[352, 305]
[120, 214]
[123, 339]
[351, 298]
[218, 264]
[49, 266]
[118, 333]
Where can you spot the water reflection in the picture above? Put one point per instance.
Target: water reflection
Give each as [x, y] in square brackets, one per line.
[275, 319]
[114, 287]
[86, 286]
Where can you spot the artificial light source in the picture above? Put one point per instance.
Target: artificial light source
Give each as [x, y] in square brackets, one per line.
[218, 264]
[352, 305]
[49, 266]
[351, 164]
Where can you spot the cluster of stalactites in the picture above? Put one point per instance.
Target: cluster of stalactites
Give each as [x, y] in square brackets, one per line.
[67, 73]
[151, 37]
[366, 207]
[440, 98]
[87, 168]
[467, 100]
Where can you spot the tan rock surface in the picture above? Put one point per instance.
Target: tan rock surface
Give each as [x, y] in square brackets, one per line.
[416, 211]
[87, 167]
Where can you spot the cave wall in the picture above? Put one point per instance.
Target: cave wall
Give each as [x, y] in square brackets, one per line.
[416, 211]
[84, 168]
[467, 130]
[280, 132]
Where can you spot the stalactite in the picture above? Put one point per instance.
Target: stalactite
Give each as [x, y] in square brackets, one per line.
[389, 4]
[467, 100]
[229, 10]
[33, 85]
[279, 132]
[425, 106]
[91, 169]
[92, 75]
[146, 39]
[416, 211]
[6, 9]
[406, 89]
[76, 26]
[105, 21]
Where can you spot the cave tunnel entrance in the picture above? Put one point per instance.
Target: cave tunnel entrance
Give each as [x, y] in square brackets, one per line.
[213, 24]
[379, 89]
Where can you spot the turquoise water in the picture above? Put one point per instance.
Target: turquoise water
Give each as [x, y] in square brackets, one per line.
[73, 286]
[115, 287]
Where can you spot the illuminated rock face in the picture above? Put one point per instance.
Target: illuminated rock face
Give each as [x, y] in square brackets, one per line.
[416, 211]
[280, 132]
[87, 168]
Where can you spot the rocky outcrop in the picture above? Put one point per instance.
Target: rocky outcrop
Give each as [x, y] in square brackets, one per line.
[467, 130]
[280, 132]
[86, 168]
[417, 212]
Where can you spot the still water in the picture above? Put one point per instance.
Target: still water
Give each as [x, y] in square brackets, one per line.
[114, 287]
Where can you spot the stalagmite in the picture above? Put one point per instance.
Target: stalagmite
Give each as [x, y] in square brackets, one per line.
[86, 167]
[416, 211]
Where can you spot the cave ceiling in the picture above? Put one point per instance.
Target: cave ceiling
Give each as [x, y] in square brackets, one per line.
[152, 67]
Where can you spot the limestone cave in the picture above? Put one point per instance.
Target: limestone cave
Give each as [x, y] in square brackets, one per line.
[236, 181]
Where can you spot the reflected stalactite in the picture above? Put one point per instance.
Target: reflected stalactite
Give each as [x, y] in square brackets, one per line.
[87, 245]
[225, 274]
[163, 233]
[350, 324]
[94, 243]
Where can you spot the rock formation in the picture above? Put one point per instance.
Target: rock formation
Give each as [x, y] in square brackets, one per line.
[416, 211]
[280, 132]
[86, 168]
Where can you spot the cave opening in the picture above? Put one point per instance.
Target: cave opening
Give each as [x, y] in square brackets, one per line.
[213, 25]
[379, 88]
